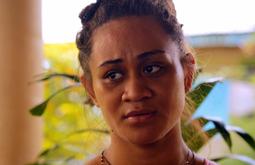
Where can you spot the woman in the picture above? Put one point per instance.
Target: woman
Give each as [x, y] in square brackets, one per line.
[136, 69]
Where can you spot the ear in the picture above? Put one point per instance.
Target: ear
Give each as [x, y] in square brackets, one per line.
[89, 88]
[189, 68]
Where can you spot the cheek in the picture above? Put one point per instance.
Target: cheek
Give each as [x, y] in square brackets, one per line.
[109, 102]
[108, 98]
[173, 95]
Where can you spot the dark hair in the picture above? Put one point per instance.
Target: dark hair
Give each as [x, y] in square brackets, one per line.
[102, 11]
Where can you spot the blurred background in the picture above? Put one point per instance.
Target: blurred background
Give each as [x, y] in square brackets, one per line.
[37, 39]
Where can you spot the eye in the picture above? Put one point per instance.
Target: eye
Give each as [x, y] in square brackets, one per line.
[151, 69]
[113, 75]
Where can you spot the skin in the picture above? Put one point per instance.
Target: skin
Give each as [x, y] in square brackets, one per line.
[136, 67]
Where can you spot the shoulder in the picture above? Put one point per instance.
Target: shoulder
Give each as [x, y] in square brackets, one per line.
[94, 161]
[203, 161]
[208, 162]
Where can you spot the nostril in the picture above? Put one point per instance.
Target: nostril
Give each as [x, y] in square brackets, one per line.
[137, 94]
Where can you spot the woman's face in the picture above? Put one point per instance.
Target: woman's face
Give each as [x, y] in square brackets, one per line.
[137, 79]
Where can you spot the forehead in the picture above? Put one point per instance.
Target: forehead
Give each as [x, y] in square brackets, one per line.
[129, 35]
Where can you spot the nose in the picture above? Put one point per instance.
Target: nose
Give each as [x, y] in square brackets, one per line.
[136, 90]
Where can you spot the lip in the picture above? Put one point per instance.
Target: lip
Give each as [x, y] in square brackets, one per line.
[140, 116]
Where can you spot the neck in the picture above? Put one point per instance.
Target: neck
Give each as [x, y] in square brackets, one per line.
[168, 150]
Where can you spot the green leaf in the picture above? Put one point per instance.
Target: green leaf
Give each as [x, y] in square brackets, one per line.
[38, 163]
[46, 151]
[74, 78]
[202, 121]
[225, 129]
[39, 110]
[211, 132]
[103, 131]
[241, 158]
[244, 135]
[69, 158]
[224, 133]
[220, 126]
[201, 91]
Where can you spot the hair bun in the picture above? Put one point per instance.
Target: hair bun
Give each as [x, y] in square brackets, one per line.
[87, 13]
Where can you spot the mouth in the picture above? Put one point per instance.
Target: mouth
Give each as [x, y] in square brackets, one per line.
[140, 116]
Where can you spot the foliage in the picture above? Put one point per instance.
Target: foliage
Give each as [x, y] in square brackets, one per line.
[239, 146]
[70, 127]
[74, 130]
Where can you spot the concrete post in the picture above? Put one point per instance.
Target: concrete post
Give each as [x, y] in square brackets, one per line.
[20, 61]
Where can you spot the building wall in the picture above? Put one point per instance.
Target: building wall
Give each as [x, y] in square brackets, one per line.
[212, 59]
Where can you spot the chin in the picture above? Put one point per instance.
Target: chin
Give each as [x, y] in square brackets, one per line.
[144, 141]
[144, 134]
[146, 137]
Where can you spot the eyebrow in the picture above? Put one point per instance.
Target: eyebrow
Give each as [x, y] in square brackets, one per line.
[140, 57]
[150, 53]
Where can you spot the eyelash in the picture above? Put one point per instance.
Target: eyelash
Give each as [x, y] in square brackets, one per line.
[159, 67]
[109, 74]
